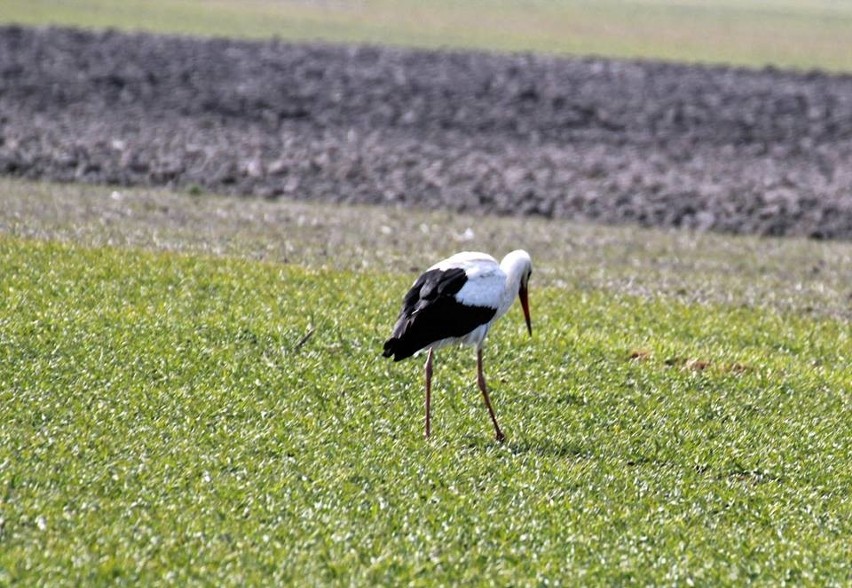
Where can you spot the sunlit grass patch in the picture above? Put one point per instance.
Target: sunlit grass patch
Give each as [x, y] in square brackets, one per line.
[166, 419]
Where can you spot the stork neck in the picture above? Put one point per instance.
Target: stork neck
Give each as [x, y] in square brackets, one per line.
[514, 265]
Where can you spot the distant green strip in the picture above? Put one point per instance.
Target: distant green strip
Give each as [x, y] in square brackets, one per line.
[805, 35]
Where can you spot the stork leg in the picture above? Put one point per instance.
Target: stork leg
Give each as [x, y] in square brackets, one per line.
[428, 391]
[480, 379]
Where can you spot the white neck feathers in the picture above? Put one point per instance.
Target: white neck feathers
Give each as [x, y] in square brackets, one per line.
[516, 265]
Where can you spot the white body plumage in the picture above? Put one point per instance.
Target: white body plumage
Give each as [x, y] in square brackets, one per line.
[489, 284]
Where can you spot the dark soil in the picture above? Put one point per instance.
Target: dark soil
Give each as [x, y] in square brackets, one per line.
[711, 148]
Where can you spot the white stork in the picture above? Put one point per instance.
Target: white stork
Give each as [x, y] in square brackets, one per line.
[456, 301]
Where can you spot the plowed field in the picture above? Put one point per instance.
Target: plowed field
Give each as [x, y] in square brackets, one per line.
[711, 148]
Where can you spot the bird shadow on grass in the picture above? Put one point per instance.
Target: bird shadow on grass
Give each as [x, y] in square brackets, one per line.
[549, 448]
[540, 447]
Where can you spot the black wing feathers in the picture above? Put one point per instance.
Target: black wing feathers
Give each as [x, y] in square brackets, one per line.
[430, 313]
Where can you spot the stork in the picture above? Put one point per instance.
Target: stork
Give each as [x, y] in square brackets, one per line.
[455, 302]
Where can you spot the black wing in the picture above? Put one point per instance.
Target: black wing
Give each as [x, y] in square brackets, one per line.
[430, 312]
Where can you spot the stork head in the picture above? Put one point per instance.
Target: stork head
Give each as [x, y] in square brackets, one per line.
[518, 268]
[523, 295]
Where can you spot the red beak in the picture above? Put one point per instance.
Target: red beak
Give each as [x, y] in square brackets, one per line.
[525, 304]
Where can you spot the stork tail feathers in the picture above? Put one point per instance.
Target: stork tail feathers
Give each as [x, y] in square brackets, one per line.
[394, 346]
[389, 345]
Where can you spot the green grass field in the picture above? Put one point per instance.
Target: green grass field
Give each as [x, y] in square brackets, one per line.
[680, 416]
[802, 34]
[166, 421]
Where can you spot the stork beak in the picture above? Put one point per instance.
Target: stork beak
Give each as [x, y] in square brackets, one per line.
[522, 294]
